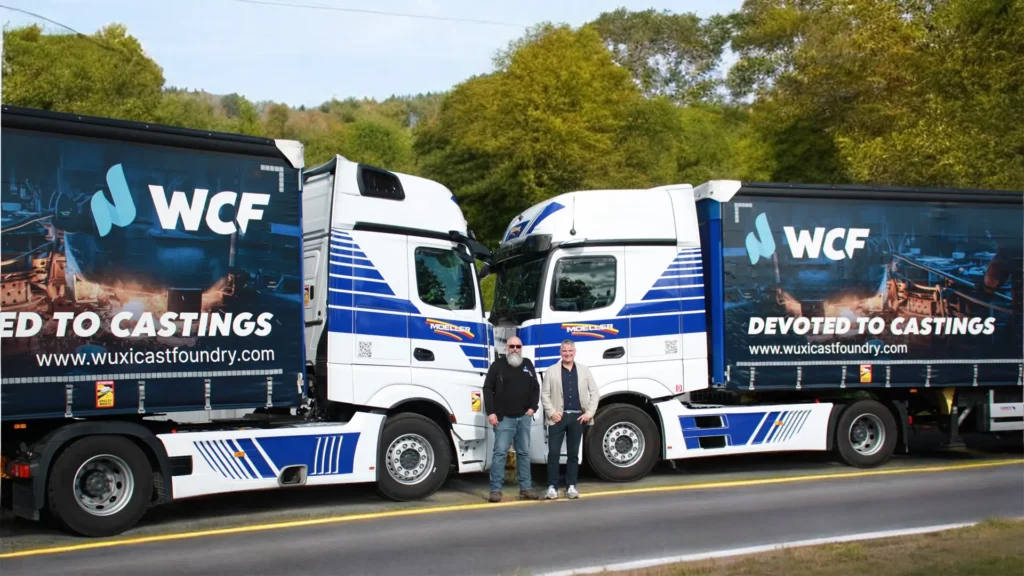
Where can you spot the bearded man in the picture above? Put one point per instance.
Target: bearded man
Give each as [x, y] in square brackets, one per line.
[511, 396]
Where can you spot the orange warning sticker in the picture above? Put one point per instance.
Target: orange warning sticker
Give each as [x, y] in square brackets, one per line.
[104, 393]
[865, 373]
[476, 401]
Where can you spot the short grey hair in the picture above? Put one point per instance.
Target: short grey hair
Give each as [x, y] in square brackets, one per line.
[569, 342]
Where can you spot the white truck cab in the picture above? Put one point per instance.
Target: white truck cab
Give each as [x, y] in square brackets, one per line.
[394, 317]
[619, 273]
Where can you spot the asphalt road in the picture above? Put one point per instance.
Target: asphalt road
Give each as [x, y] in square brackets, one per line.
[547, 536]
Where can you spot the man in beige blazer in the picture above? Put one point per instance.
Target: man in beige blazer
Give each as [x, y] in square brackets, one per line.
[569, 396]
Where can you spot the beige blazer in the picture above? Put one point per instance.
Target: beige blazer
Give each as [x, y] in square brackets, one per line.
[551, 392]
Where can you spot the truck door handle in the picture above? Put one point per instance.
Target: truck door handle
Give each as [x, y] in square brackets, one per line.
[616, 352]
[423, 355]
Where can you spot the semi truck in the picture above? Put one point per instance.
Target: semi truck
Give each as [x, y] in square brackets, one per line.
[736, 318]
[152, 272]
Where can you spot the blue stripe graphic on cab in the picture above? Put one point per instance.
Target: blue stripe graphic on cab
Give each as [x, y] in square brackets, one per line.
[548, 337]
[372, 287]
[679, 289]
[525, 227]
[340, 320]
[323, 455]
[348, 285]
[678, 293]
[764, 430]
[257, 459]
[663, 306]
[347, 253]
[350, 261]
[354, 282]
[737, 428]
[529, 335]
[747, 429]
[516, 230]
[381, 324]
[543, 351]
[691, 282]
[355, 272]
[475, 351]
[547, 211]
[360, 301]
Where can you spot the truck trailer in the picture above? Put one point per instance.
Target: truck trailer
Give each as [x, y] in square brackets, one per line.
[150, 271]
[737, 318]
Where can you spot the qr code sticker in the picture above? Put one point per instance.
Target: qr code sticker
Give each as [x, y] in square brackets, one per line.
[671, 347]
[365, 350]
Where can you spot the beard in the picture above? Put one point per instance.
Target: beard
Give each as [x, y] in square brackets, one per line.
[514, 359]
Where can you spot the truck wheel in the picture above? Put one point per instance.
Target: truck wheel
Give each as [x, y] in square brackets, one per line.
[414, 458]
[622, 445]
[866, 434]
[100, 486]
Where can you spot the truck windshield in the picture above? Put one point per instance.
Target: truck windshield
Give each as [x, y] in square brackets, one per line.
[516, 290]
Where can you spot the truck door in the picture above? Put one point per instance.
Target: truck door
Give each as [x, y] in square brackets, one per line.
[585, 290]
[316, 236]
[666, 295]
[448, 340]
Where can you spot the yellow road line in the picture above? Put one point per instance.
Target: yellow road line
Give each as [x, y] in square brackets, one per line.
[482, 506]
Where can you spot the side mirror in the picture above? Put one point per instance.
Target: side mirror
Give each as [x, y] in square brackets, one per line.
[464, 254]
[485, 271]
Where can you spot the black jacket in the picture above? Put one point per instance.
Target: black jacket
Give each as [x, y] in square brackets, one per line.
[511, 391]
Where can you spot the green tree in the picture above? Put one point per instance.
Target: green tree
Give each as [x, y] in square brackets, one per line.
[913, 92]
[379, 142]
[673, 55]
[105, 74]
[188, 110]
[550, 119]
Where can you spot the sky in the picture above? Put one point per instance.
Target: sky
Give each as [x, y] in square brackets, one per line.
[306, 52]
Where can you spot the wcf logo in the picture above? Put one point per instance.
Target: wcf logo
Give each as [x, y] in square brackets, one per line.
[190, 212]
[762, 243]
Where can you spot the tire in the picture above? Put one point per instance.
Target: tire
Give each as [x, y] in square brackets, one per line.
[866, 434]
[424, 455]
[111, 458]
[627, 427]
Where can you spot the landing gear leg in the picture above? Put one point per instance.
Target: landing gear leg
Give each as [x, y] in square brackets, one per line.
[953, 438]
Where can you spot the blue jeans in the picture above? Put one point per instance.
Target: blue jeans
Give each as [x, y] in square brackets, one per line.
[507, 430]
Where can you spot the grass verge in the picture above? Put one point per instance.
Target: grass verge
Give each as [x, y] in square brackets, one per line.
[991, 548]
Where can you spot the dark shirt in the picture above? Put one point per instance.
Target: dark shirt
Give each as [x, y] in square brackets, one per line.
[511, 391]
[570, 388]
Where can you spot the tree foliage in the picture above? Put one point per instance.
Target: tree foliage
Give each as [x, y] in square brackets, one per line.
[914, 92]
[105, 74]
[672, 55]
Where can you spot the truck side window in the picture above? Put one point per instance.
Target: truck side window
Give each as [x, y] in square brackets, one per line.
[444, 280]
[583, 283]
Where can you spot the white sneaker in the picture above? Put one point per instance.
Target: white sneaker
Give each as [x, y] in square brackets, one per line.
[571, 492]
[551, 494]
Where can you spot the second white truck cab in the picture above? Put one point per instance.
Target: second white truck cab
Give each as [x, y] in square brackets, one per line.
[619, 273]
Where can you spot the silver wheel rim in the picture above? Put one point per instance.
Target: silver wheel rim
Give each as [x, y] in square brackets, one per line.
[410, 458]
[623, 444]
[104, 485]
[867, 434]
